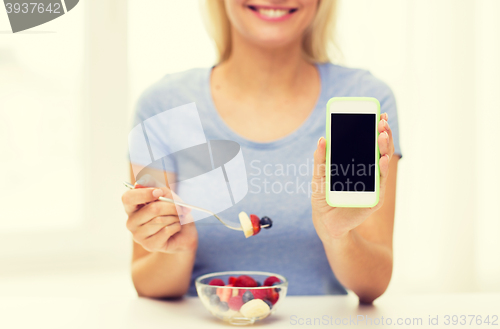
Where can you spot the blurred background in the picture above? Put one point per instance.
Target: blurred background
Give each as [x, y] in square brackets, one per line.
[67, 90]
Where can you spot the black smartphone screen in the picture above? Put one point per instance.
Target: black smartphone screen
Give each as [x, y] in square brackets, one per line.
[352, 152]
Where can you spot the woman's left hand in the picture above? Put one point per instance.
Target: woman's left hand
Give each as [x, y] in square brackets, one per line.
[335, 222]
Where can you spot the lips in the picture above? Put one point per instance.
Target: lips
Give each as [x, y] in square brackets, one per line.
[272, 13]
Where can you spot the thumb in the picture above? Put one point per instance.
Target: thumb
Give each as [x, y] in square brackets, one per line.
[318, 181]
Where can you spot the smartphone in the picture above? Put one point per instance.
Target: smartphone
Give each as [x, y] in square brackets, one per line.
[352, 154]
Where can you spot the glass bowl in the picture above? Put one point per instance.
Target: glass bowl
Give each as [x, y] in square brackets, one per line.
[241, 305]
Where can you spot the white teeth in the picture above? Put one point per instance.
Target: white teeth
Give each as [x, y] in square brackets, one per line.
[273, 13]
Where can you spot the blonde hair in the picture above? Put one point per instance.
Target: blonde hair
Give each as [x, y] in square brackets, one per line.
[317, 37]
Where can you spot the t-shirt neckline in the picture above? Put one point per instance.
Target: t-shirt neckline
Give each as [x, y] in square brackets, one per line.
[294, 135]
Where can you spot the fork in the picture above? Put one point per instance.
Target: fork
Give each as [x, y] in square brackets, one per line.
[183, 204]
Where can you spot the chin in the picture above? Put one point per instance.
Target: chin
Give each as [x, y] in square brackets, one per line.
[271, 39]
[274, 46]
[272, 43]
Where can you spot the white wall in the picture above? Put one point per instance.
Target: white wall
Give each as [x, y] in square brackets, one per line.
[170, 39]
[441, 59]
[487, 150]
[40, 107]
[63, 141]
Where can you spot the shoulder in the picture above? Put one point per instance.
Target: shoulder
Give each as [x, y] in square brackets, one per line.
[355, 82]
[172, 90]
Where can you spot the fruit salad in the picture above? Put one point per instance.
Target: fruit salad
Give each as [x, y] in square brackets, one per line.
[232, 299]
[252, 225]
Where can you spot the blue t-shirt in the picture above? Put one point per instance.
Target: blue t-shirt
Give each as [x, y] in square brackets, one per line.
[279, 175]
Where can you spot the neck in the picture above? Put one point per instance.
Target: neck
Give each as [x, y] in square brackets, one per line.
[255, 69]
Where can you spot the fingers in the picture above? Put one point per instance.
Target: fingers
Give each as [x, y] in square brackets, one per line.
[160, 240]
[182, 241]
[383, 125]
[132, 198]
[385, 144]
[385, 141]
[149, 212]
[154, 226]
[384, 166]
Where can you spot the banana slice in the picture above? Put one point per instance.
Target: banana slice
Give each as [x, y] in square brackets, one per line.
[246, 224]
[231, 314]
[255, 308]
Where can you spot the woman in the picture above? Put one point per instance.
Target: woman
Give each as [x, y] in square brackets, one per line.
[268, 92]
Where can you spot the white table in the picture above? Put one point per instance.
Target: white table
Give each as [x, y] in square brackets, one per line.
[31, 312]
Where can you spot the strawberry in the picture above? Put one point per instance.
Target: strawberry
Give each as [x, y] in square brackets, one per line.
[224, 293]
[139, 186]
[216, 282]
[273, 296]
[245, 281]
[255, 224]
[232, 279]
[235, 303]
[270, 280]
[260, 293]
[241, 291]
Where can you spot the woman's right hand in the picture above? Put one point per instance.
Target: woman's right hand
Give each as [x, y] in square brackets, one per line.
[155, 225]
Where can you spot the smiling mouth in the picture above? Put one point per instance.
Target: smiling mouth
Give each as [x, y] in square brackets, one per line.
[272, 12]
